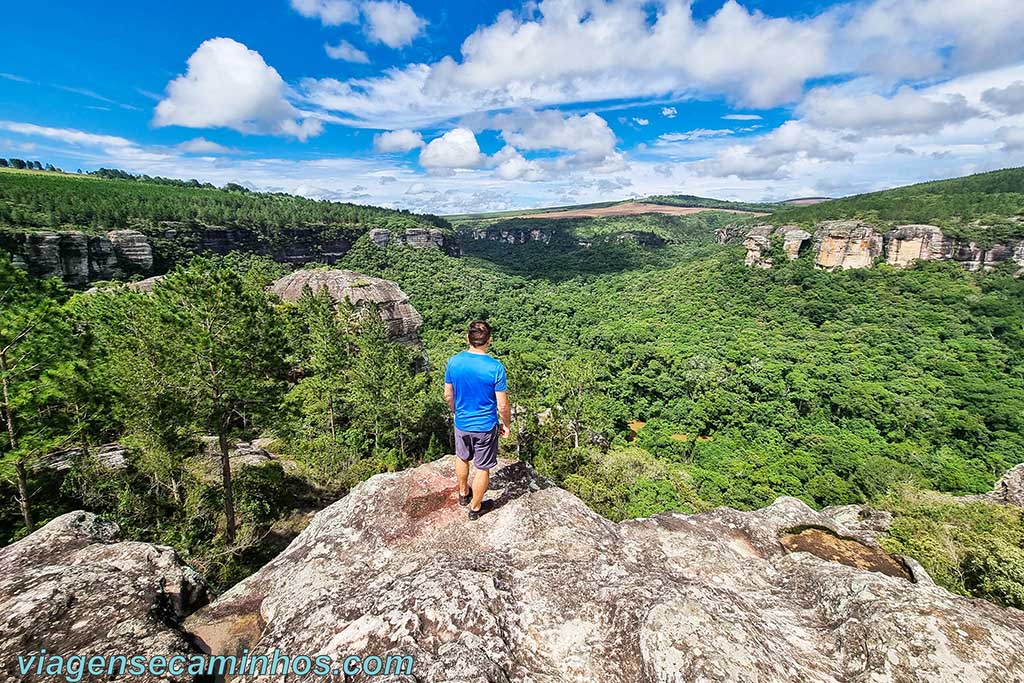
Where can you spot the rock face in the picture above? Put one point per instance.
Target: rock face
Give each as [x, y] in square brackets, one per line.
[854, 244]
[77, 258]
[758, 243]
[846, 244]
[72, 589]
[1008, 491]
[111, 455]
[402, 319]
[542, 589]
[512, 235]
[417, 238]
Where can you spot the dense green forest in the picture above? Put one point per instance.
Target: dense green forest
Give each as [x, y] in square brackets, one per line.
[648, 378]
[112, 199]
[988, 207]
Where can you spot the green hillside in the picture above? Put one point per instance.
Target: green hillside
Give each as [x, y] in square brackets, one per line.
[34, 200]
[987, 206]
[707, 203]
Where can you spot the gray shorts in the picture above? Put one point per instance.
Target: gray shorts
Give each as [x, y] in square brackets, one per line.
[480, 447]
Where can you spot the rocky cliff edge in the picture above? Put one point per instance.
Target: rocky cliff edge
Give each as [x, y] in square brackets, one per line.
[541, 589]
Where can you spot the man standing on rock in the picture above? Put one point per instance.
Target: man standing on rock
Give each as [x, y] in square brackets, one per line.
[474, 387]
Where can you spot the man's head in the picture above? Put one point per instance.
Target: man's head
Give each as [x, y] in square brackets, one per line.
[479, 334]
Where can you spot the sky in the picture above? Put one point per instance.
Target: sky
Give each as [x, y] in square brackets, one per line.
[454, 107]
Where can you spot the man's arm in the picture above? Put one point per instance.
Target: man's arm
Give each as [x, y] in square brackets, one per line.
[504, 412]
[449, 396]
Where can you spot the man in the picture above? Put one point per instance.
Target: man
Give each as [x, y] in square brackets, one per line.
[474, 387]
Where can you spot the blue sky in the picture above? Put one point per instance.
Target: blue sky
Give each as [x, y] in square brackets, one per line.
[452, 107]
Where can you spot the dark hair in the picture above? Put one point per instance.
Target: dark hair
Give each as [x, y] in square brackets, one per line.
[479, 332]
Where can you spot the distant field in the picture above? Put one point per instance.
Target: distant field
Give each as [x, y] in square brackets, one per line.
[625, 209]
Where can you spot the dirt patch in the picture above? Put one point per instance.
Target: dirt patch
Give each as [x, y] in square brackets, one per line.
[826, 545]
[629, 209]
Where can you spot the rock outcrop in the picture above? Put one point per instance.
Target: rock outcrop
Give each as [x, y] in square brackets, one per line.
[77, 258]
[846, 244]
[402, 319]
[841, 245]
[417, 238]
[111, 455]
[1009, 490]
[542, 589]
[512, 235]
[758, 243]
[72, 588]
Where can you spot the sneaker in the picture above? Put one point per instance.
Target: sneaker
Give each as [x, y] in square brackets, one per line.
[464, 500]
[485, 507]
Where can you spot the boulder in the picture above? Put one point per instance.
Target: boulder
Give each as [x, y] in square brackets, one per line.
[867, 522]
[72, 588]
[402, 319]
[542, 589]
[846, 244]
[111, 455]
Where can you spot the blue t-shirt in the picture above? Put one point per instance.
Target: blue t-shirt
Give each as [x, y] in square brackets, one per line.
[475, 377]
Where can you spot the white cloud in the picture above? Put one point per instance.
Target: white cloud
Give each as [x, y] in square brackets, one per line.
[907, 112]
[775, 155]
[346, 52]
[67, 135]
[696, 134]
[457, 148]
[741, 117]
[587, 136]
[1008, 100]
[329, 12]
[513, 166]
[228, 85]
[397, 141]
[669, 112]
[563, 51]
[393, 23]
[203, 146]
[640, 121]
[417, 188]
[1012, 138]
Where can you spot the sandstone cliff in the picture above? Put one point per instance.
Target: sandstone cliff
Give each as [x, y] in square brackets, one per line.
[840, 245]
[402, 319]
[79, 259]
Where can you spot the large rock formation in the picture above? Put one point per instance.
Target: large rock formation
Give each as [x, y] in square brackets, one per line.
[77, 258]
[758, 243]
[417, 238]
[71, 588]
[855, 244]
[1009, 490]
[542, 589]
[846, 244]
[402, 319]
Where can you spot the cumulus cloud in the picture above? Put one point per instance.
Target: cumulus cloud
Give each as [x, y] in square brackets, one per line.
[640, 121]
[511, 165]
[1012, 138]
[228, 85]
[564, 51]
[393, 23]
[329, 12]
[774, 155]
[397, 141]
[669, 112]
[1008, 100]
[203, 146]
[457, 148]
[588, 136]
[907, 112]
[346, 52]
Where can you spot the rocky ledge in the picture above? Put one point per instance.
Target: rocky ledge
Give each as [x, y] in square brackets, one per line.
[77, 258]
[417, 238]
[841, 245]
[542, 589]
[72, 588]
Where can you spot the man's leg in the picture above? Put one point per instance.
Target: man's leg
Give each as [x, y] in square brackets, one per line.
[462, 474]
[481, 480]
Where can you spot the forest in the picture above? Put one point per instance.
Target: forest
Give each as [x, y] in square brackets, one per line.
[646, 378]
